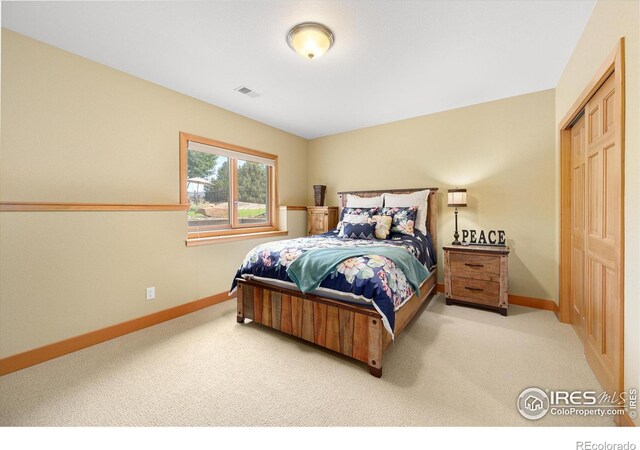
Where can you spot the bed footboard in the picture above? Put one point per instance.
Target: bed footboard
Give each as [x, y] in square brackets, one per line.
[353, 331]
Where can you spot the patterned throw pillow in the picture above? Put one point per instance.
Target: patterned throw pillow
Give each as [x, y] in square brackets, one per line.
[354, 211]
[383, 225]
[359, 230]
[353, 219]
[419, 199]
[404, 219]
[358, 211]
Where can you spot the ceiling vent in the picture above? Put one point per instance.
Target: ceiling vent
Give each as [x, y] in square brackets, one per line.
[246, 91]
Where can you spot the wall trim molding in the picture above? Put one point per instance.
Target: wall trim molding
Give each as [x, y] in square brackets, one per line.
[520, 300]
[538, 303]
[41, 354]
[65, 206]
[45, 353]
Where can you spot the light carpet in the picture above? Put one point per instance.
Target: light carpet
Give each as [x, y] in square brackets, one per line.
[452, 366]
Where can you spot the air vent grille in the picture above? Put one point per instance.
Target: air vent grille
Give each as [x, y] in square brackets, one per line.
[246, 91]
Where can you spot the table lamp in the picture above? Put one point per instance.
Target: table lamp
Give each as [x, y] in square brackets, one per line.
[457, 198]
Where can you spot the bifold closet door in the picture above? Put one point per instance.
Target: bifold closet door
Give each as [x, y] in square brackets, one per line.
[603, 230]
[578, 227]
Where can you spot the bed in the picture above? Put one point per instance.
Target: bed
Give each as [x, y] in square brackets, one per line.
[347, 323]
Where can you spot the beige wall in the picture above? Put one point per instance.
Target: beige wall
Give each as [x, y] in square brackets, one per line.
[609, 21]
[502, 152]
[77, 131]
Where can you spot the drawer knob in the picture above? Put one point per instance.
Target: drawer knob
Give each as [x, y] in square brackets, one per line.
[474, 289]
[474, 265]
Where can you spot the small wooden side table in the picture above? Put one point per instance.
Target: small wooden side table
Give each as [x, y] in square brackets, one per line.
[321, 219]
[477, 275]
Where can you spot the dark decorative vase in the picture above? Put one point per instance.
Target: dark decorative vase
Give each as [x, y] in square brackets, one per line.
[319, 190]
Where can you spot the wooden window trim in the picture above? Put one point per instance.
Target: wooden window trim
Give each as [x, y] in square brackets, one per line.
[235, 231]
[231, 232]
[193, 242]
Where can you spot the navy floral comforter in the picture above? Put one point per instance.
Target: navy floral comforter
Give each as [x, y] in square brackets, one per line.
[375, 279]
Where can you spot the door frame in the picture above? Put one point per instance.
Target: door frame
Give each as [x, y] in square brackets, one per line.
[614, 64]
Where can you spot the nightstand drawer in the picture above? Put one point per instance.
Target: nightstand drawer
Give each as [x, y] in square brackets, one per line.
[487, 292]
[470, 265]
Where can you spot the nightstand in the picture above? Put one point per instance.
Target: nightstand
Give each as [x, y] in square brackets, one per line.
[477, 275]
[321, 219]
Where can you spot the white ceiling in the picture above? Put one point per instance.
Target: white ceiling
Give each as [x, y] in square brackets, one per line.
[391, 59]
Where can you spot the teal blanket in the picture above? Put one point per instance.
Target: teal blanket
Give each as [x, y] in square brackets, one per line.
[309, 269]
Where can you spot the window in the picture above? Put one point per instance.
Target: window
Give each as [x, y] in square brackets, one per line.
[230, 190]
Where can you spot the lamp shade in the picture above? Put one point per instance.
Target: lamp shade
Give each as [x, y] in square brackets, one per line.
[457, 197]
[310, 40]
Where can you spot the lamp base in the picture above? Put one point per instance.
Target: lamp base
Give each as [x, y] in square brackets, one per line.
[456, 235]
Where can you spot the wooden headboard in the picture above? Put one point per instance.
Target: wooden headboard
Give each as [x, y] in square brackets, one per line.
[432, 213]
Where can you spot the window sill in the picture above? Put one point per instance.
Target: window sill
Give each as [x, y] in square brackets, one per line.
[233, 237]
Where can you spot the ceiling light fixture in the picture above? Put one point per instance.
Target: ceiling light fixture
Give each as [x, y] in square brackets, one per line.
[310, 40]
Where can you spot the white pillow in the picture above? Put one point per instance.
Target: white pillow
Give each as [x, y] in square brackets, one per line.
[418, 199]
[353, 201]
[353, 219]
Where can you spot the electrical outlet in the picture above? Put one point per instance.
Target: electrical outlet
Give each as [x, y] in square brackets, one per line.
[151, 293]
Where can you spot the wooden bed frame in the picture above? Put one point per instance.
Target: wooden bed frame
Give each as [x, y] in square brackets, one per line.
[352, 330]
